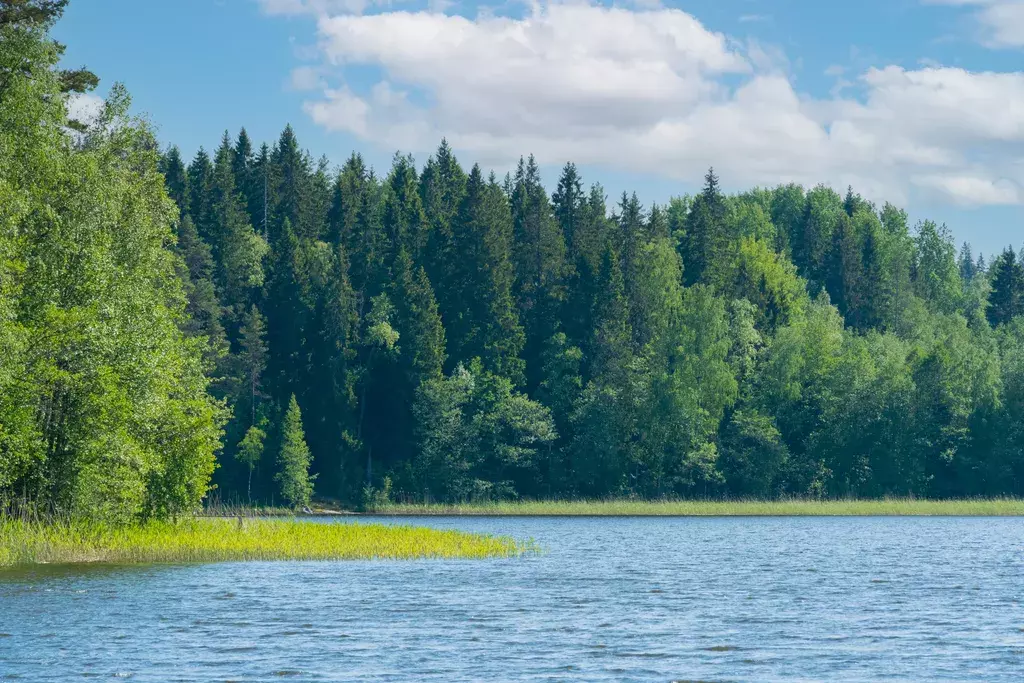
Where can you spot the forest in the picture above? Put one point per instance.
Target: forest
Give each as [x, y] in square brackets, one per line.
[254, 325]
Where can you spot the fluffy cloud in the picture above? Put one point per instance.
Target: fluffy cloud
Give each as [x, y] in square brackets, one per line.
[1001, 21]
[655, 91]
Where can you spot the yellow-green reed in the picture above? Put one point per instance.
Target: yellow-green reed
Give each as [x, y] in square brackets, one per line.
[212, 540]
[738, 508]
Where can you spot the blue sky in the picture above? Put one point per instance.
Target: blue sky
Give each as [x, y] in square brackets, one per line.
[920, 102]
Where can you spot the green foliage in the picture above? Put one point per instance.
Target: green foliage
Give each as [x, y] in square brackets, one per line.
[250, 452]
[104, 410]
[293, 459]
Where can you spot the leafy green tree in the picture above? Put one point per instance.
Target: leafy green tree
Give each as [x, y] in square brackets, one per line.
[253, 359]
[250, 452]
[753, 455]
[103, 399]
[936, 274]
[296, 483]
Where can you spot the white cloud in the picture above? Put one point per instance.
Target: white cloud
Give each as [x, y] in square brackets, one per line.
[306, 78]
[966, 190]
[1001, 21]
[654, 91]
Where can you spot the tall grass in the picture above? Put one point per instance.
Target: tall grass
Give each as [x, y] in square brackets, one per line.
[209, 540]
[705, 508]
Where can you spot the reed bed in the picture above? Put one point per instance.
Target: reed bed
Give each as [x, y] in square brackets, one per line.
[1002, 507]
[213, 540]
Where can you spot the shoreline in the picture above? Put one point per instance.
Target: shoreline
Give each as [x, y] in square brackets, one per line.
[998, 507]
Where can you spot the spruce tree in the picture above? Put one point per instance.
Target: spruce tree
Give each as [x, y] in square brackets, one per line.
[347, 200]
[290, 172]
[332, 347]
[247, 183]
[403, 219]
[200, 180]
[704, 241]
[293, 477]
[968, 266]
[482, 321]
[237, 250]
[417, 322]
[287, 315]
[1006, 299]
[844, 268]
[539, 256]
[609, 348]
[569, 204]
[176, 179]
[442, 187]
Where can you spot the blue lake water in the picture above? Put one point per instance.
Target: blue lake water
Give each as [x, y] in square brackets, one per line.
[610, 599]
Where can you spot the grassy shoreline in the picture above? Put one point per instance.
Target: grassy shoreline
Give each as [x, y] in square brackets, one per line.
[1002, 507]
[215, 540]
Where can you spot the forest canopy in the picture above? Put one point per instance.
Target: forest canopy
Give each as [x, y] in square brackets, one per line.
[256, 320]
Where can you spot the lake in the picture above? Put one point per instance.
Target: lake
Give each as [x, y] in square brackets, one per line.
[609, 599]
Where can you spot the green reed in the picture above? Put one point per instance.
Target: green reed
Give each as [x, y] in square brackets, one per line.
[210, 540]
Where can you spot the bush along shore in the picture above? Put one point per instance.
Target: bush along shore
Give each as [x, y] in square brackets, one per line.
[211, 540]
[706, 508]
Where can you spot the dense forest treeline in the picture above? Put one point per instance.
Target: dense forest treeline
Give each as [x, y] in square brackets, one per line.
[443, 334]
[460, 336]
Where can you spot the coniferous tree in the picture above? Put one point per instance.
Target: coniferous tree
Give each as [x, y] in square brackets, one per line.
[968, 266]
[569, 204]
[290, 171]
[237, 250]
[247, 181]
[1006, 300]
[293, 477]
[704, 241]
[483, 321]
[347, 199]
[287, 315]
[844, 268]
[176, 179]
[442, 187]
[200, 180]
[333, 347]
[403, 217]
[539, 257]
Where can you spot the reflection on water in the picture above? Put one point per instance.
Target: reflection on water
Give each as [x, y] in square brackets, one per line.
[615, 599]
